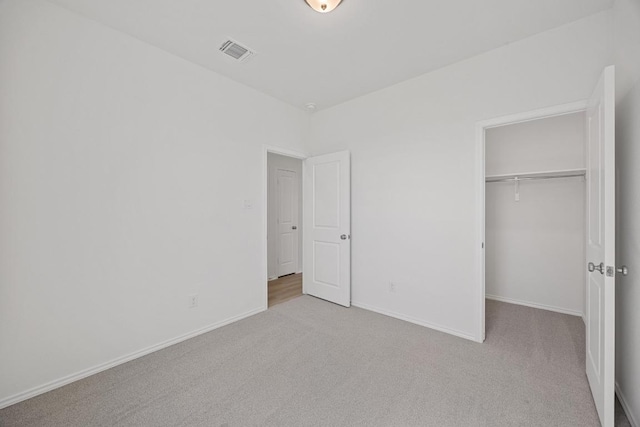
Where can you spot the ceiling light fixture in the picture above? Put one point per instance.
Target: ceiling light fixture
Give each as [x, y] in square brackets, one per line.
[323, 6]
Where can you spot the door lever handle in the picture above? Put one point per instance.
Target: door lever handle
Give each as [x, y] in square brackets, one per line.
[294, 227]
[592, 267]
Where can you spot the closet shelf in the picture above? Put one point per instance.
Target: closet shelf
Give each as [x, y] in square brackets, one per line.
[567, 173]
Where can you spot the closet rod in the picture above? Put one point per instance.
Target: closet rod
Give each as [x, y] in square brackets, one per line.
[531, 178]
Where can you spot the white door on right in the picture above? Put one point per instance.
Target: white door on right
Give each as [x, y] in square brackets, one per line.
[327, 227]
[600, 246]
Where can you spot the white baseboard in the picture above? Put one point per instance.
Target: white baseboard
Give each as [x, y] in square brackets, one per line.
[35, 391]
[415, 321]
[536, 305]
[625, 406]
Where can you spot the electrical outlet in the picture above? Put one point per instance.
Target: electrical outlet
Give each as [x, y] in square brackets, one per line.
[392, 287]
[193, 301]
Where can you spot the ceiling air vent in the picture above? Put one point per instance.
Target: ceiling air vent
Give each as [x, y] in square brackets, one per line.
[236, 50]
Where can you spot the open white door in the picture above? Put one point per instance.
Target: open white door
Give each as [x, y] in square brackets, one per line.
[327, 227]
[600, 242]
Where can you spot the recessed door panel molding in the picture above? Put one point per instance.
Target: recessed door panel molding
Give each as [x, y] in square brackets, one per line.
[286, 195]
[600, 246]
[595, 176]
[326, 201]
[326, 260]
[594, 337]
[286, 248]
[327, 234]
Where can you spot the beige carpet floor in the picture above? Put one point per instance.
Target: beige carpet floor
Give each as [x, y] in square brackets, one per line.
[307, 362]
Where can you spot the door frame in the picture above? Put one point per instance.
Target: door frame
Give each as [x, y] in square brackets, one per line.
[266, 149]
[481, 127]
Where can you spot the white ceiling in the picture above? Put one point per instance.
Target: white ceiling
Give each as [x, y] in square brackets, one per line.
[362, 46]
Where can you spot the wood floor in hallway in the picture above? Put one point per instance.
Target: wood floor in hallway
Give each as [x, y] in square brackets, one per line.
[285, 288]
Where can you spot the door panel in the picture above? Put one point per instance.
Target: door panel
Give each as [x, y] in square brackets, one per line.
[594, 175]
[326, 184]
[287, 243]
[600, 250]
[326, 259]
[594, 337]
[327, 237]
[286, 251]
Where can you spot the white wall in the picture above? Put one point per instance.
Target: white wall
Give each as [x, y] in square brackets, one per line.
[123, 175]
[627, 44]
[275, 162]
[414, 204]
[535, 247]
[550, 144]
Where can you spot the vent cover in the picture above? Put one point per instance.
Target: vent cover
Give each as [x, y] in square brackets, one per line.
[236, 50]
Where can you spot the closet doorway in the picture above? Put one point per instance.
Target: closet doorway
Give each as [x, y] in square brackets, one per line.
[531, 190]
[535, 213]
[546, 183]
